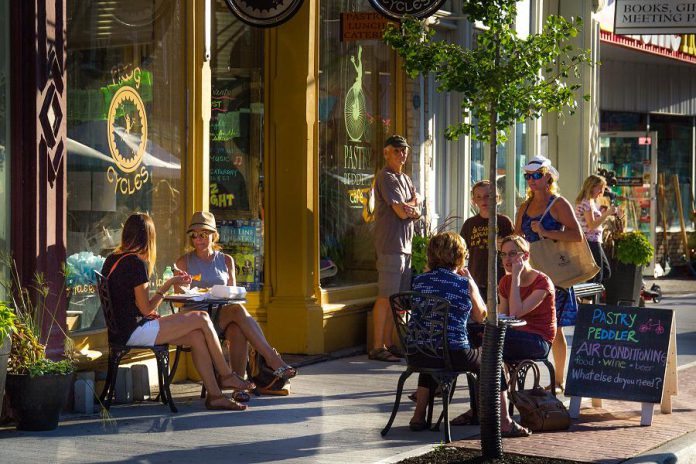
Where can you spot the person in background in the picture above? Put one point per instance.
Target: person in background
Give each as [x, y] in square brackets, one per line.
[526, 294]
[546, 214]
[592, 219]
[396, 207]
[209, 266]
[475, 234]
[448, 279]
[128, 271]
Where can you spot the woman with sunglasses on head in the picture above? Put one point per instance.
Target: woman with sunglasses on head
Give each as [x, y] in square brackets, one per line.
[128, 271]
[209, 266]
[526, 294]
[546, 214]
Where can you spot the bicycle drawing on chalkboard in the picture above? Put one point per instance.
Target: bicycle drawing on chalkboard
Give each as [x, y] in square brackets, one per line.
[649, 325]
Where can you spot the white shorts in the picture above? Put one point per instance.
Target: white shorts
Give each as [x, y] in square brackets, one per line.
[145, 335]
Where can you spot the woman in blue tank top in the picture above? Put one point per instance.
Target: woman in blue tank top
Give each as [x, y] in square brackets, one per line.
[209, 266]
[545, 214]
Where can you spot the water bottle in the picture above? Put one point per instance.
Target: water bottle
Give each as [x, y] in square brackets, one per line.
[166, 275]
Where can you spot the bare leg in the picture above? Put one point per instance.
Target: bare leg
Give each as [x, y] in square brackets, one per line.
[237, 347]
[201, 358]
[382, 323]
[505, 419]
[238, 315]
[422, 397]
[176, 326]
[559, 349]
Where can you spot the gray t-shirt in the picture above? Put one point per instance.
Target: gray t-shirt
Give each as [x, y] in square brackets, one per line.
[393, 235]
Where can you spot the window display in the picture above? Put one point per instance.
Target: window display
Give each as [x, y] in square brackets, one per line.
[356, 115]
[126, 136]
[236, 143]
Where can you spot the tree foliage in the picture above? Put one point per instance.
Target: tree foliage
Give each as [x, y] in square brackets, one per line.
[513, 78]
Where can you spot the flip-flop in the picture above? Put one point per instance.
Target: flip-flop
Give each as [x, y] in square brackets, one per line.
[240, 396]
[382, 354]
[465, 419]
[285, 372]
[516, 431]
[396, 351]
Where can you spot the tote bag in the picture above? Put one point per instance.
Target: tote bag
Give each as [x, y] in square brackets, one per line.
[566, 263]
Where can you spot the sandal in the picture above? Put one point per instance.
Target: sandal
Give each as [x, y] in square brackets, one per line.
[382, 354]
[240, 396]
[516, 431]
[417, 426]
[396, 351]
[468, 418]
[227, 405]
[560, 389]
[234, 381]
[285, 372]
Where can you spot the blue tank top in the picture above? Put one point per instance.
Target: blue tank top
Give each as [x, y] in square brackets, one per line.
[548, 223]
[211, 273]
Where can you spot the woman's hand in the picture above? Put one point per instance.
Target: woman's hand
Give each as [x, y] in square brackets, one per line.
[464, 272]
[180, 279]
[517, 266]
[538, 228]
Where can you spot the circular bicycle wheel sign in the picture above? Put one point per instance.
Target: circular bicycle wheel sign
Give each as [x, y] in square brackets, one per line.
[397, 9]
[264, 13]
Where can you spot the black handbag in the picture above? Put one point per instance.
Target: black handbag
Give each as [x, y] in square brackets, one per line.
[262, 375]
[539, 409]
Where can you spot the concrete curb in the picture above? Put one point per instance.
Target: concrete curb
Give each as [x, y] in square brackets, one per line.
[408, 454]
[681, 450]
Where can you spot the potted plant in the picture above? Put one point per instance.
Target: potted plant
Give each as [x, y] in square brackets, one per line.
[37, 387]
[631, 252]
[7, 328]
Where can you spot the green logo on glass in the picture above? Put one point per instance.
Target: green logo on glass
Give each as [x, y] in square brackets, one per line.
[354, 110]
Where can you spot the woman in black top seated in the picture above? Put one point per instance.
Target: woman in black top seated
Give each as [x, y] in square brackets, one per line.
[127, 271]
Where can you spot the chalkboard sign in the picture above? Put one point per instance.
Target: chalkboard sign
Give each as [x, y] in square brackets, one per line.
[619, 352]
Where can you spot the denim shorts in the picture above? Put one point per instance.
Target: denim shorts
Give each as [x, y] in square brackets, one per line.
[521, 345]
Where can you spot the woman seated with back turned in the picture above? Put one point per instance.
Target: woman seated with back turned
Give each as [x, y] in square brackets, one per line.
[448, 279]
[127, 271]
[209, 266]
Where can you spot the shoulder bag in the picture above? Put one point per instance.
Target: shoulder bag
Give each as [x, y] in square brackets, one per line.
[539, 409]
[566, 263]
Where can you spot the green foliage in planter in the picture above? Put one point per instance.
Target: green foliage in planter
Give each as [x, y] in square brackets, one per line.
[29, 305]
[7, 321]
[633, 248]
[418, 253]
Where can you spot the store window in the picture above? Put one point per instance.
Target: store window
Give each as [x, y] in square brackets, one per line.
[127, 139]
[356, 115]
[4, 133]
[236, 143]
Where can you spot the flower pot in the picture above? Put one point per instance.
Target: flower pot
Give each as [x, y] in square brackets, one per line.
[5, 346]
[37, 401]
[624, 284]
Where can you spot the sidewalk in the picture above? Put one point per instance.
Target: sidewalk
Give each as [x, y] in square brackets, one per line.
[613, 433]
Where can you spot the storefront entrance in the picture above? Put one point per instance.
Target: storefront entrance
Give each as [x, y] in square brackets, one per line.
[632, 157]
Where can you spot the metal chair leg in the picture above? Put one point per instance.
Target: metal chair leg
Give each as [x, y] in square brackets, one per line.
[446, 386]
[110, 386]
[397, 401]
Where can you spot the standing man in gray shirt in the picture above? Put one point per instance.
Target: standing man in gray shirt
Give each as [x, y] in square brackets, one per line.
[397, 205]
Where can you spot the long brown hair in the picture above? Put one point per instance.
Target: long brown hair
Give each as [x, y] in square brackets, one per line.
[139, 236]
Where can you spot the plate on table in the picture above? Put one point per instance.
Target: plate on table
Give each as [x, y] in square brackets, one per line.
[186, 297]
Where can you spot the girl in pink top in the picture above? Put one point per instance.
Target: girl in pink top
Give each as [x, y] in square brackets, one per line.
[591, 221]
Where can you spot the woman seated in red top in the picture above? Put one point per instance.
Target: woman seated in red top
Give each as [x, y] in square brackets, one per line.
[526, 294]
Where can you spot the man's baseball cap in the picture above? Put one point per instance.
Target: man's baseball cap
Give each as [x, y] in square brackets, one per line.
[396, 141]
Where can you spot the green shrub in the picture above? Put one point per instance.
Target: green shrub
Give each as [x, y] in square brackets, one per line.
[418, 253]
[7, 321]
[633, 248]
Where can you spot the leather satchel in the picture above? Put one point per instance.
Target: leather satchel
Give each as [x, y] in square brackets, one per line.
[539, 409]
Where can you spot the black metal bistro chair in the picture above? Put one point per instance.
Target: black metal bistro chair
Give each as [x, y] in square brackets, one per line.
[433, 316]
[118, 351]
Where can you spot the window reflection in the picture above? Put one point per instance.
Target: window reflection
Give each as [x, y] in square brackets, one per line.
[126, 135]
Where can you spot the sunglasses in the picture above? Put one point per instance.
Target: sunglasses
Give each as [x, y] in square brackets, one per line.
[511, 254]
[205, 234]
[534, 175]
